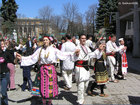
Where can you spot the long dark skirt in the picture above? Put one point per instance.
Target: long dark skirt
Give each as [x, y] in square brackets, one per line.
[101, 74]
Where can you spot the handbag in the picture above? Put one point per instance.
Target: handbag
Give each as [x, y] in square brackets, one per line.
[2, 60]
[36, 84]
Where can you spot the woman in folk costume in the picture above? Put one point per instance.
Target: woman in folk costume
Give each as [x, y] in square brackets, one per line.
[47, 56]
[123, 59]
[101, 74]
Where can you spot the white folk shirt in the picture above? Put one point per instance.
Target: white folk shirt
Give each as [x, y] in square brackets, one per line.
[89, 43]
[47, 56]
[111, 47]
[81, 73]
[68, 47]
[77, 42]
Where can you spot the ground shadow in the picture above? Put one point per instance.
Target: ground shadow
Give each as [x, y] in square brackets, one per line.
[134, 100]
[34, 100]
[61, 84]
[24, 100]
[69, 97]
[59, 74]
[12, 100]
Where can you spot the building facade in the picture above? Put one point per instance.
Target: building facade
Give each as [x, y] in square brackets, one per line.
[128, 22]
[30, 27]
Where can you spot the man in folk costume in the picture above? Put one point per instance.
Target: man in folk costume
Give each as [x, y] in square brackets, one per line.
[75, 41]
[89, 43]
[123, 59]
[81, 69]
[63, 40]
[68, 65]
[111, 49]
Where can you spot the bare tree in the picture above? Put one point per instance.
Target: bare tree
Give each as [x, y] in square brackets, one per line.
[69, 13]
[90, 19]
[19, 16]
[58, 23]
[45, 14]
[79, 24]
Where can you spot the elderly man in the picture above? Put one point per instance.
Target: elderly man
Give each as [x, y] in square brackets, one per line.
[111, 49]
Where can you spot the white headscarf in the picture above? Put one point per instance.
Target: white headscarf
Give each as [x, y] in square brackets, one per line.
[121, 39]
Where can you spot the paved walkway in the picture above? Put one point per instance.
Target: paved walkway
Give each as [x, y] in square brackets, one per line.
[124, 92]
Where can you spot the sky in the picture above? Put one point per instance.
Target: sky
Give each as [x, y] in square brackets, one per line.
[30, 8]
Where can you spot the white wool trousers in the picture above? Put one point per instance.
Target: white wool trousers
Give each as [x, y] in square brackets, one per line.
[111, 62]
[67, 75]
[81, 88]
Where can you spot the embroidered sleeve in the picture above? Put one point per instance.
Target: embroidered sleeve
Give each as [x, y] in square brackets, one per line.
[65, 55]
[96, 54]
[30, 60]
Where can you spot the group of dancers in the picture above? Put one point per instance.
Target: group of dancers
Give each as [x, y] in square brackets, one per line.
[75, 56]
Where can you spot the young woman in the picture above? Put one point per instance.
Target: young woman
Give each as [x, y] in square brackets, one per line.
[101, 74]
[4, 73]
[11, 66]
[47, 56]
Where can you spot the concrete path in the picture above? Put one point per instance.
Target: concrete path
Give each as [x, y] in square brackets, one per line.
[124, 92]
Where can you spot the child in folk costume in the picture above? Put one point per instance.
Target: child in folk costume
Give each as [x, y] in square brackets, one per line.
[47, 56]
[101, 73]
[123, 60]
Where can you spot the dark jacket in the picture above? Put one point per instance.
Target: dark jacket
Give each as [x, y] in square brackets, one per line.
[3, 65]
[11, 52]
[29, 50]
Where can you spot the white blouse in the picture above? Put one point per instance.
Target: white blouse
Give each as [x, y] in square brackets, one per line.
[48, 56]
[122, 51]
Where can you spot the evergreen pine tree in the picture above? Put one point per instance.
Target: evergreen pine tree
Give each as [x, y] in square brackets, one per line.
[112, 4]
[106, 16]
[101, 14]
[8, 13]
